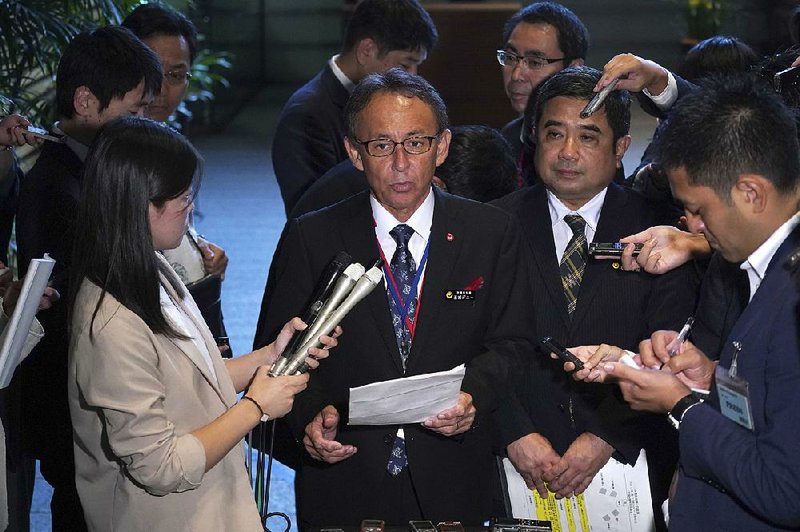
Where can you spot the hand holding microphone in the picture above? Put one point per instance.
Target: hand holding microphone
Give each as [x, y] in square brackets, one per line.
[341, 292]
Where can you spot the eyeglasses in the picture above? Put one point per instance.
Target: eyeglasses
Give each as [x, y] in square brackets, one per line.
[177, 77]
[386, 147]
[186, 199]
[510, 59]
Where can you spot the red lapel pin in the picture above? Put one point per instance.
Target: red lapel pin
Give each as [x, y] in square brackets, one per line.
[450, 237]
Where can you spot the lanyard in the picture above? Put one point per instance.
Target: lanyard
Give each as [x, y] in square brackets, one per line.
[401, 305]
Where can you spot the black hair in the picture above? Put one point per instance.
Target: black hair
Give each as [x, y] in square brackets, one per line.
[480, 164]
[156, 19]
[392, 24]
[110, 61]
[735, 125]
[395, 81]
[578, 82]
[132, 163]
[573, 37]
[717, 55]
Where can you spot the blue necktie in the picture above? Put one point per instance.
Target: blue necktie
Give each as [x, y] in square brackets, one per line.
[403, 271]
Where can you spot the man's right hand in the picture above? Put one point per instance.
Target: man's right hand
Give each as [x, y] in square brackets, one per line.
[664, 248]
[635, 73]
[533, 455]
[320, 438]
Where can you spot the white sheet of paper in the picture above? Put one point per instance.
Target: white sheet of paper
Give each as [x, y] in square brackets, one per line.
[617, 500]
[407, 400]
[16, 332]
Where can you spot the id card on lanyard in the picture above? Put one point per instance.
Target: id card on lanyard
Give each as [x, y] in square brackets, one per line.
[401, 304]
[734, 392]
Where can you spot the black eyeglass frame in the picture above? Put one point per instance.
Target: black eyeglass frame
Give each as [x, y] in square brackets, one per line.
[395, 143]
[540, 62]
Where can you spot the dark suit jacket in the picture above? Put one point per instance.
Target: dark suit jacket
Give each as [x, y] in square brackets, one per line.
[468, 242]
[684, 88]
[614, 306]
[45, 222]
[732, 478]
[723, 297]
[309, 138]
[338, 183]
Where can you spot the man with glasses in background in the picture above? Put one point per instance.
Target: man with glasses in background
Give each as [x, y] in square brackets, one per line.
[539, 40]
[440, 469]
[173, 37]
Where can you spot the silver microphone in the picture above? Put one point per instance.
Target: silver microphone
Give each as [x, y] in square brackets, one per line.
[362, 288]
[343, 287]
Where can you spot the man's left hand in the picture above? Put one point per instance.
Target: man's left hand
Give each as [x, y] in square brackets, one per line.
[584, 458]
[455, 420]
[651, 391]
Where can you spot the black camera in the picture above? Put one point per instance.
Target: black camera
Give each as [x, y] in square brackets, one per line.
[508, 524]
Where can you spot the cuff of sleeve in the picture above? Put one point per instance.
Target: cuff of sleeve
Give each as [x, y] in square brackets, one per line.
[193, 461]
[668, 96]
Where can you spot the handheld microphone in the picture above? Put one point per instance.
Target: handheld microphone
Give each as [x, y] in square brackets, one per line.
[321, 293]
[341, 288]
[368, 281]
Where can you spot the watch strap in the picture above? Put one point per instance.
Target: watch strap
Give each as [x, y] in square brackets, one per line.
[675, 415]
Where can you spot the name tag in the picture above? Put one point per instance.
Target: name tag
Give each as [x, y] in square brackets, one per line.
[460, 295]
[734, 398]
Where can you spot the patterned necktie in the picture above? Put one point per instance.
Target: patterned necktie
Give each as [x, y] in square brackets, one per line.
[574, 261]
[403, 271]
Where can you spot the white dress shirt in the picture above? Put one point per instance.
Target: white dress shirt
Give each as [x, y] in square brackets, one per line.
[562, 233]
[758, 261]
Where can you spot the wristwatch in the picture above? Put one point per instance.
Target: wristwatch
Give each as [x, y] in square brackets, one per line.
[675, 415]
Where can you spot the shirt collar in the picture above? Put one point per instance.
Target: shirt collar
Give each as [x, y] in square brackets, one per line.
[346, 82]
[759, 260]
[590, 211]
[420, 221]
[80, 150]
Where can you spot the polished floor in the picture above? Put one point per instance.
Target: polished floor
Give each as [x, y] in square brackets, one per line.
[240, 209]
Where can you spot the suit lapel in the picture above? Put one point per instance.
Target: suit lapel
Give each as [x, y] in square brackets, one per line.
[188, 348]
[609, 229]
[358, 234]
[534, 214]
[777, 271]
[442, 258]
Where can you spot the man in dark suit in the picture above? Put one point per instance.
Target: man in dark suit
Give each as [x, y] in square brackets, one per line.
[103, 74]
[730, 153]
[308, 140]
[539, 40]
[442, 468]
[560, 433]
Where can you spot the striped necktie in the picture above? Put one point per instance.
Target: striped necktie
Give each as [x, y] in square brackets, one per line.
[574, 261]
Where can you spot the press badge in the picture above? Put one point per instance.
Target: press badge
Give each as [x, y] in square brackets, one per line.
[734, 393]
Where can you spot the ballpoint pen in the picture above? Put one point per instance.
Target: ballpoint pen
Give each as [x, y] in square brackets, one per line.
[674, 347]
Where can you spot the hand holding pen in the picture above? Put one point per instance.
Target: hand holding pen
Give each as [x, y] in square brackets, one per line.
[674, 347]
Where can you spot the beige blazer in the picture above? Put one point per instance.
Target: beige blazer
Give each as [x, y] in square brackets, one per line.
[134, 398]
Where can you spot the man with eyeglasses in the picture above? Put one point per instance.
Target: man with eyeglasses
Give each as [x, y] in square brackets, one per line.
[308, 140]
[559, 433]
[434, 245]
[173, 37]
[539, 40]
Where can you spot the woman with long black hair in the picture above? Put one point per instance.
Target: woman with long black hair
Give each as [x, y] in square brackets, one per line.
[157, 429]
